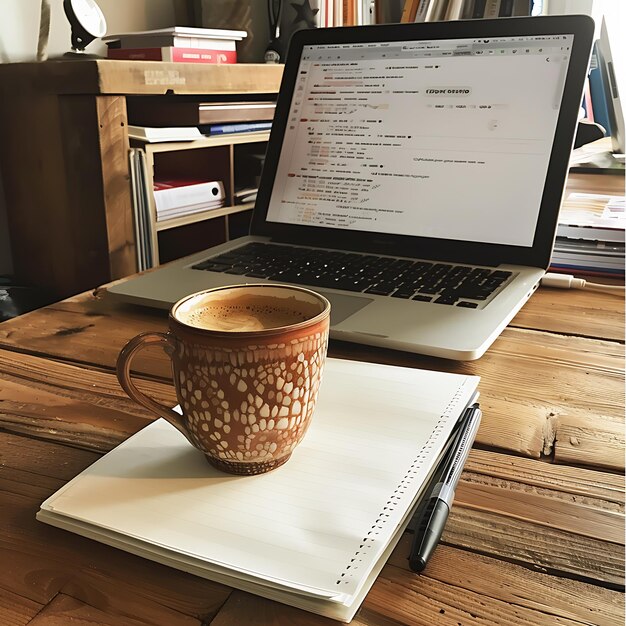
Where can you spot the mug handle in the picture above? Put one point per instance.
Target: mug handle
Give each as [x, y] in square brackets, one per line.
[166, 341]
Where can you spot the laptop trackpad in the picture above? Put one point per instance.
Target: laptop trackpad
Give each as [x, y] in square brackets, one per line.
[342, 306]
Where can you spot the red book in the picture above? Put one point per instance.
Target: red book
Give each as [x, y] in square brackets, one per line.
[178, 182]
[177, 55]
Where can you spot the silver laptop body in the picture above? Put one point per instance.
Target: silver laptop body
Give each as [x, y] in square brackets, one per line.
[442, 142]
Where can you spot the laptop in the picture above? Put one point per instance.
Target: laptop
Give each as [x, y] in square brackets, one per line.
[413, 176]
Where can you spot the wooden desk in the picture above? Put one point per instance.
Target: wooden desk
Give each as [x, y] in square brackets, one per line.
[536, 535]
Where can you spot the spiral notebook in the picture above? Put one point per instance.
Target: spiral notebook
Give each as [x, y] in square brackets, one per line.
[313, 533]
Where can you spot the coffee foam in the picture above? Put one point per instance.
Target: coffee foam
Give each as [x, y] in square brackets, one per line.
[245, 313]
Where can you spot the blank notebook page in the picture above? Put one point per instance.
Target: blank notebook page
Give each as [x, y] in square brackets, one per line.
[316, 525]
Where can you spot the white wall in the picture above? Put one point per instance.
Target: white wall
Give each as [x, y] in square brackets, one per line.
[19, 24]
[19, 29]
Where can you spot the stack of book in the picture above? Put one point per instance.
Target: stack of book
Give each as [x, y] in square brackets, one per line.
[178, 197]
[590, 235]
[435, 10]
[141, 209]
[176, 44]
[163, 134]
[211, 118]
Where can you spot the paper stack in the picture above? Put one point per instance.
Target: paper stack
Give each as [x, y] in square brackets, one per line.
[590, 235]
[179, 197]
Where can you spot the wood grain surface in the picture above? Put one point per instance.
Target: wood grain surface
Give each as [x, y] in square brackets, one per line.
[530, 380]
[105, 76]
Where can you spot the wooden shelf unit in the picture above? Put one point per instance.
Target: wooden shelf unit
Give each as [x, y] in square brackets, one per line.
[175, 222]
[184, 159]
[64, 159]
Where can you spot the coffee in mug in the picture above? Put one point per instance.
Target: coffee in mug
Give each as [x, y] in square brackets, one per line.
[247, 363]
[243, 312]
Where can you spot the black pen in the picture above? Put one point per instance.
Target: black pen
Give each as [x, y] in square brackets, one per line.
[433, 521]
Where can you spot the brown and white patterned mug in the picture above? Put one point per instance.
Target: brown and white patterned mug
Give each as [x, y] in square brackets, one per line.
[247, 363]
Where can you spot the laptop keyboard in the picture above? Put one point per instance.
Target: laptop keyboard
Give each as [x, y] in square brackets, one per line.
[441, 283]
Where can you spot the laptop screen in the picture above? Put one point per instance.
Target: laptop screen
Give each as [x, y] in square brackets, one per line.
[444, 139]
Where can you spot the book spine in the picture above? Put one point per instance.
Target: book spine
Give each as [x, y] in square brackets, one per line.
[174, 42]
[409, 10]
[135, 54]
[422, 10]
[478, 10]
[222, 129]
[367, 10]
[506, 8]
[467, 9]
[591, 233]
[349, 10]
[238, 116]
[338, 17]
[584, 269]
[454, 10]
[492, 9]
[177, 55]
[522, 7]
[598, 91]
[436, 10]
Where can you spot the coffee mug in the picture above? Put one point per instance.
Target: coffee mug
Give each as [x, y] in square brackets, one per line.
[247, 363]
